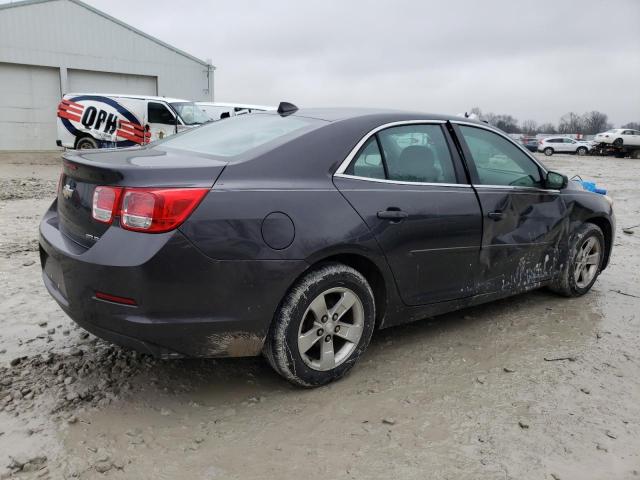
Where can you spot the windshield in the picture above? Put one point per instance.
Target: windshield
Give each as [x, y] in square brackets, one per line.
[236, 135]
[190, 113]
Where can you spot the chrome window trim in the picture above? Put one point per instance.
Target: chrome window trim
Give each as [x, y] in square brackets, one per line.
[517, 187]
[345, 163]
[349, 158]
[399, 182]
[507, 137]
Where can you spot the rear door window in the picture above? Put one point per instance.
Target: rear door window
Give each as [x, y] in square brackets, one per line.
[417, 153]
[409, 153]
[368, 162]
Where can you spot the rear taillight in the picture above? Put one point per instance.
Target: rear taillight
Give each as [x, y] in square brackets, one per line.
[105, 203]
[152, 210]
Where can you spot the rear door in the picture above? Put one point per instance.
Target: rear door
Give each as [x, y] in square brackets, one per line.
[569, 145]
[523, 221]
[409, 187]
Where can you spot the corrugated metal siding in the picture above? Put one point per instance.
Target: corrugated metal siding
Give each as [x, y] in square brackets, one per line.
[64, 34]
[88, 81]
[29, 96]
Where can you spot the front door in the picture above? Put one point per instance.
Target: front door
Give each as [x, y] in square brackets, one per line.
[411, 191]
[523, 221]
[161, 120]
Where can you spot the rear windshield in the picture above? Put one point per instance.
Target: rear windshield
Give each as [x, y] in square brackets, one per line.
[237, 135]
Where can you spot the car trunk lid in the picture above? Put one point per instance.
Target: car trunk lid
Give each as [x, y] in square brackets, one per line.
[147, 167]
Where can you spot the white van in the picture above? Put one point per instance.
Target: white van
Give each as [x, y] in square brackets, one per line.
[220, 110]
[97, 120]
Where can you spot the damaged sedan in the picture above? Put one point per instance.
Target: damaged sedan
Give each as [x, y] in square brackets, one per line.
[297, 233]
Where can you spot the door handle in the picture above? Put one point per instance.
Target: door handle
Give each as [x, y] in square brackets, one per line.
[497, 215]
[393, 214]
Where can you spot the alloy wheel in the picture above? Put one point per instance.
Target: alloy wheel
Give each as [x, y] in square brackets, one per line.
[331, 328]
[587, 262]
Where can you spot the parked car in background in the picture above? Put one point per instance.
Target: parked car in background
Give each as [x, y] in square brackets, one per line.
[298, 233]
[97, 120]
[619, 137]
[530, 143]
[551, 145]
[220, 110]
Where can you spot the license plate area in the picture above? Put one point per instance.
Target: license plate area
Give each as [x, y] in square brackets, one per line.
[53, 270]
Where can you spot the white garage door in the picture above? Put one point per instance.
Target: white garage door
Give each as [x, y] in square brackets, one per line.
[29, 98]
[85, 81]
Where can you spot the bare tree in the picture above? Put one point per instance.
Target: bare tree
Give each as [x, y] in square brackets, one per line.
[547, 128]
[476, 111]
[631, 125]
[595, 122]
[530, 127]
[571, 123]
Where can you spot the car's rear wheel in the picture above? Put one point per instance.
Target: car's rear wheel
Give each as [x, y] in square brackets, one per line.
[617, 142]
[86, 143]
[548, 151]
[322, 327]
[583, 264]
[581, 151]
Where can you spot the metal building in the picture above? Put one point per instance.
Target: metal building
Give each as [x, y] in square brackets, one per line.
[52, 47]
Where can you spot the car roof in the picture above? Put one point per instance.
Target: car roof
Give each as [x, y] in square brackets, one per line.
[373, 114]
[136, 97]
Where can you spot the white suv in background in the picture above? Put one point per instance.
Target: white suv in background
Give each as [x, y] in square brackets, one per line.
[551, 145]
[619, 137]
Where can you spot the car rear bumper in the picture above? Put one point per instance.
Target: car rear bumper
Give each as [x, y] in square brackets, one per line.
[186, 304]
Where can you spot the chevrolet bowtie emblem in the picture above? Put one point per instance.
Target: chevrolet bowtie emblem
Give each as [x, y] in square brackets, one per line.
[67, 191]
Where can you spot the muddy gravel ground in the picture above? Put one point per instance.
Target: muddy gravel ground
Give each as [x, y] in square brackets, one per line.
[532, 387]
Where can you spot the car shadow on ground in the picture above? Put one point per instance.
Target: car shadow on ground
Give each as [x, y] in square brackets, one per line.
[537, 321]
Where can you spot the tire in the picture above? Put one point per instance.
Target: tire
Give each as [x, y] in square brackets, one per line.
[635, 154]
[581, 151]
[86, 143]
[572, 281]
[617, 142]
[548, 151]
[300, 317]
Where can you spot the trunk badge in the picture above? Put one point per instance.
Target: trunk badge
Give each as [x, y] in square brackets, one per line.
[67, 191]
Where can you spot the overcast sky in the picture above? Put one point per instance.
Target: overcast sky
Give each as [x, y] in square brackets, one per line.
[534, 60]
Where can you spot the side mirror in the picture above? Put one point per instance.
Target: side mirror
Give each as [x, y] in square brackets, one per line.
[556, 181]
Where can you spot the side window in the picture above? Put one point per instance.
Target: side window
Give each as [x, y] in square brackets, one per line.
[368, 162]
[417, 153]
[158, 113]
[567, 140]
[498, 161]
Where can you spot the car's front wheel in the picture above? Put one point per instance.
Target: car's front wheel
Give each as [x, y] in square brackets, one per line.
[322, 327]
[581, 151]
[618, 142]
[548, 151]
[582, 266]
